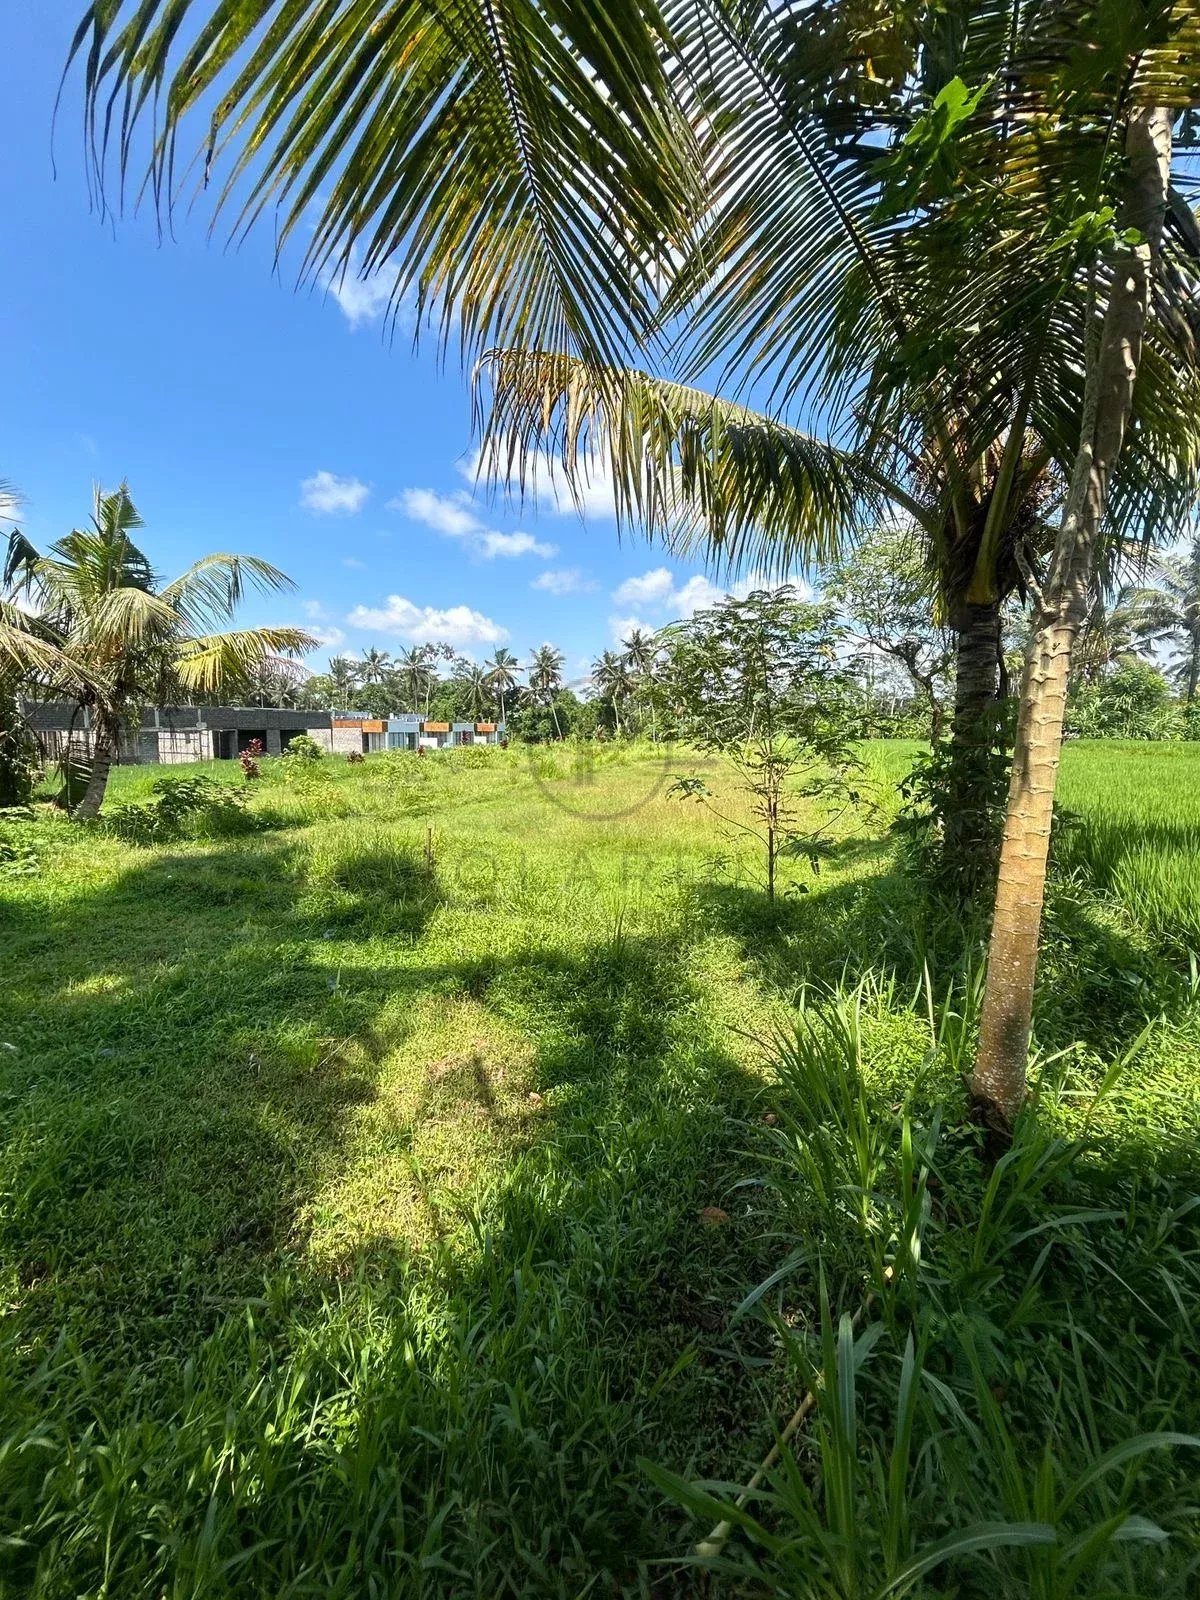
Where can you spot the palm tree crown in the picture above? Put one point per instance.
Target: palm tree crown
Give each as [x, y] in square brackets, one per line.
[503, 670]
[122, 639]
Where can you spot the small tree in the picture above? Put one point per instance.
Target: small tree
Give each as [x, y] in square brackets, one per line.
[757, 683]
[884, 591]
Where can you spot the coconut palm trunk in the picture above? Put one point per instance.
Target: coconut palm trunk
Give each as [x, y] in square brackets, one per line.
[969, 839]
[104, 742]
[998, 1081]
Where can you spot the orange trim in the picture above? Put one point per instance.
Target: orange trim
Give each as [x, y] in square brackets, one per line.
[346, 723]
[435, 727]
[372, 727]
[485, 727]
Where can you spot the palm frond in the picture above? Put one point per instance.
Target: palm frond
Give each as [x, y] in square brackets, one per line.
[696, 471]
[123, 619]
[212, 588]
[28, 650]
[518, 162]
[203, 663]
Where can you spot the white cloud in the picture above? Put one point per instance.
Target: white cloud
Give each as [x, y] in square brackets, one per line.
[362, 299]
[452, 516]
[515, 544]
[651, 589]
[354, 563]
[656, 591]
[458, 625]
[446, 514]
[329, 495]
[545, 483]
[312, 609]
[563, 580]
[622, 627]
[328, 638]
[698, 593]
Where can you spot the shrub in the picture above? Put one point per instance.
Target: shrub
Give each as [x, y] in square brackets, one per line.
[303, 748]
[354, 757]
[250, 766]
[18, 857]
[1133, 702]
[178, 808]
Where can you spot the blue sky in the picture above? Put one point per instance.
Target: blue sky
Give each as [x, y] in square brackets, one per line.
[249, 416]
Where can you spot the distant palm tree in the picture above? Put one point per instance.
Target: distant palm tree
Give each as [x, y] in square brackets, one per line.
[122, 640]
[412, 676]
[613, 682]
[641, 652]
[476, 688]
[503, 670]
[343, 678]
[545, 679]
[375, 666]
[1169, 613]
[1110, 635]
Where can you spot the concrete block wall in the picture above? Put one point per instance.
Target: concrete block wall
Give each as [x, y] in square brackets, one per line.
[344, 740]
[184, 744]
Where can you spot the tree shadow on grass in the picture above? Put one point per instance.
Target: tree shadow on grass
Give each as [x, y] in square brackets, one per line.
[1100, 980]
[191, 1055]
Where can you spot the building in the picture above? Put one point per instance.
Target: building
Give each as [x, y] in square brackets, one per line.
[203, 733]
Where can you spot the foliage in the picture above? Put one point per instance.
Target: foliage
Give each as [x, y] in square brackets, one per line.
[755, 682]
[179, 808]
[916, 1459]
[936, 791]
[884, 593]
[249, 759]
[303, 747]
[354, 757]
[19, 754]
[1133, 701]
[547, 716]
[1168, 612]
[18, 843]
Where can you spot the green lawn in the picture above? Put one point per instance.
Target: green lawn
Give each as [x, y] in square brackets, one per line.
[380, 1180]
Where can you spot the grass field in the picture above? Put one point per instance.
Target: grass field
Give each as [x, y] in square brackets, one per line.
[382, 1181]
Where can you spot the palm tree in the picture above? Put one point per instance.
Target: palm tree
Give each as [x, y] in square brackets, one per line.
[412, 676]
[545, 679]
[343, 678]
[612, 682]
[850, 233]
[375, 666]
[121, 639]
[641, 653]
[475, 684]
[1168, 612]
[503, 670]
[820, 283]
[547, 181]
